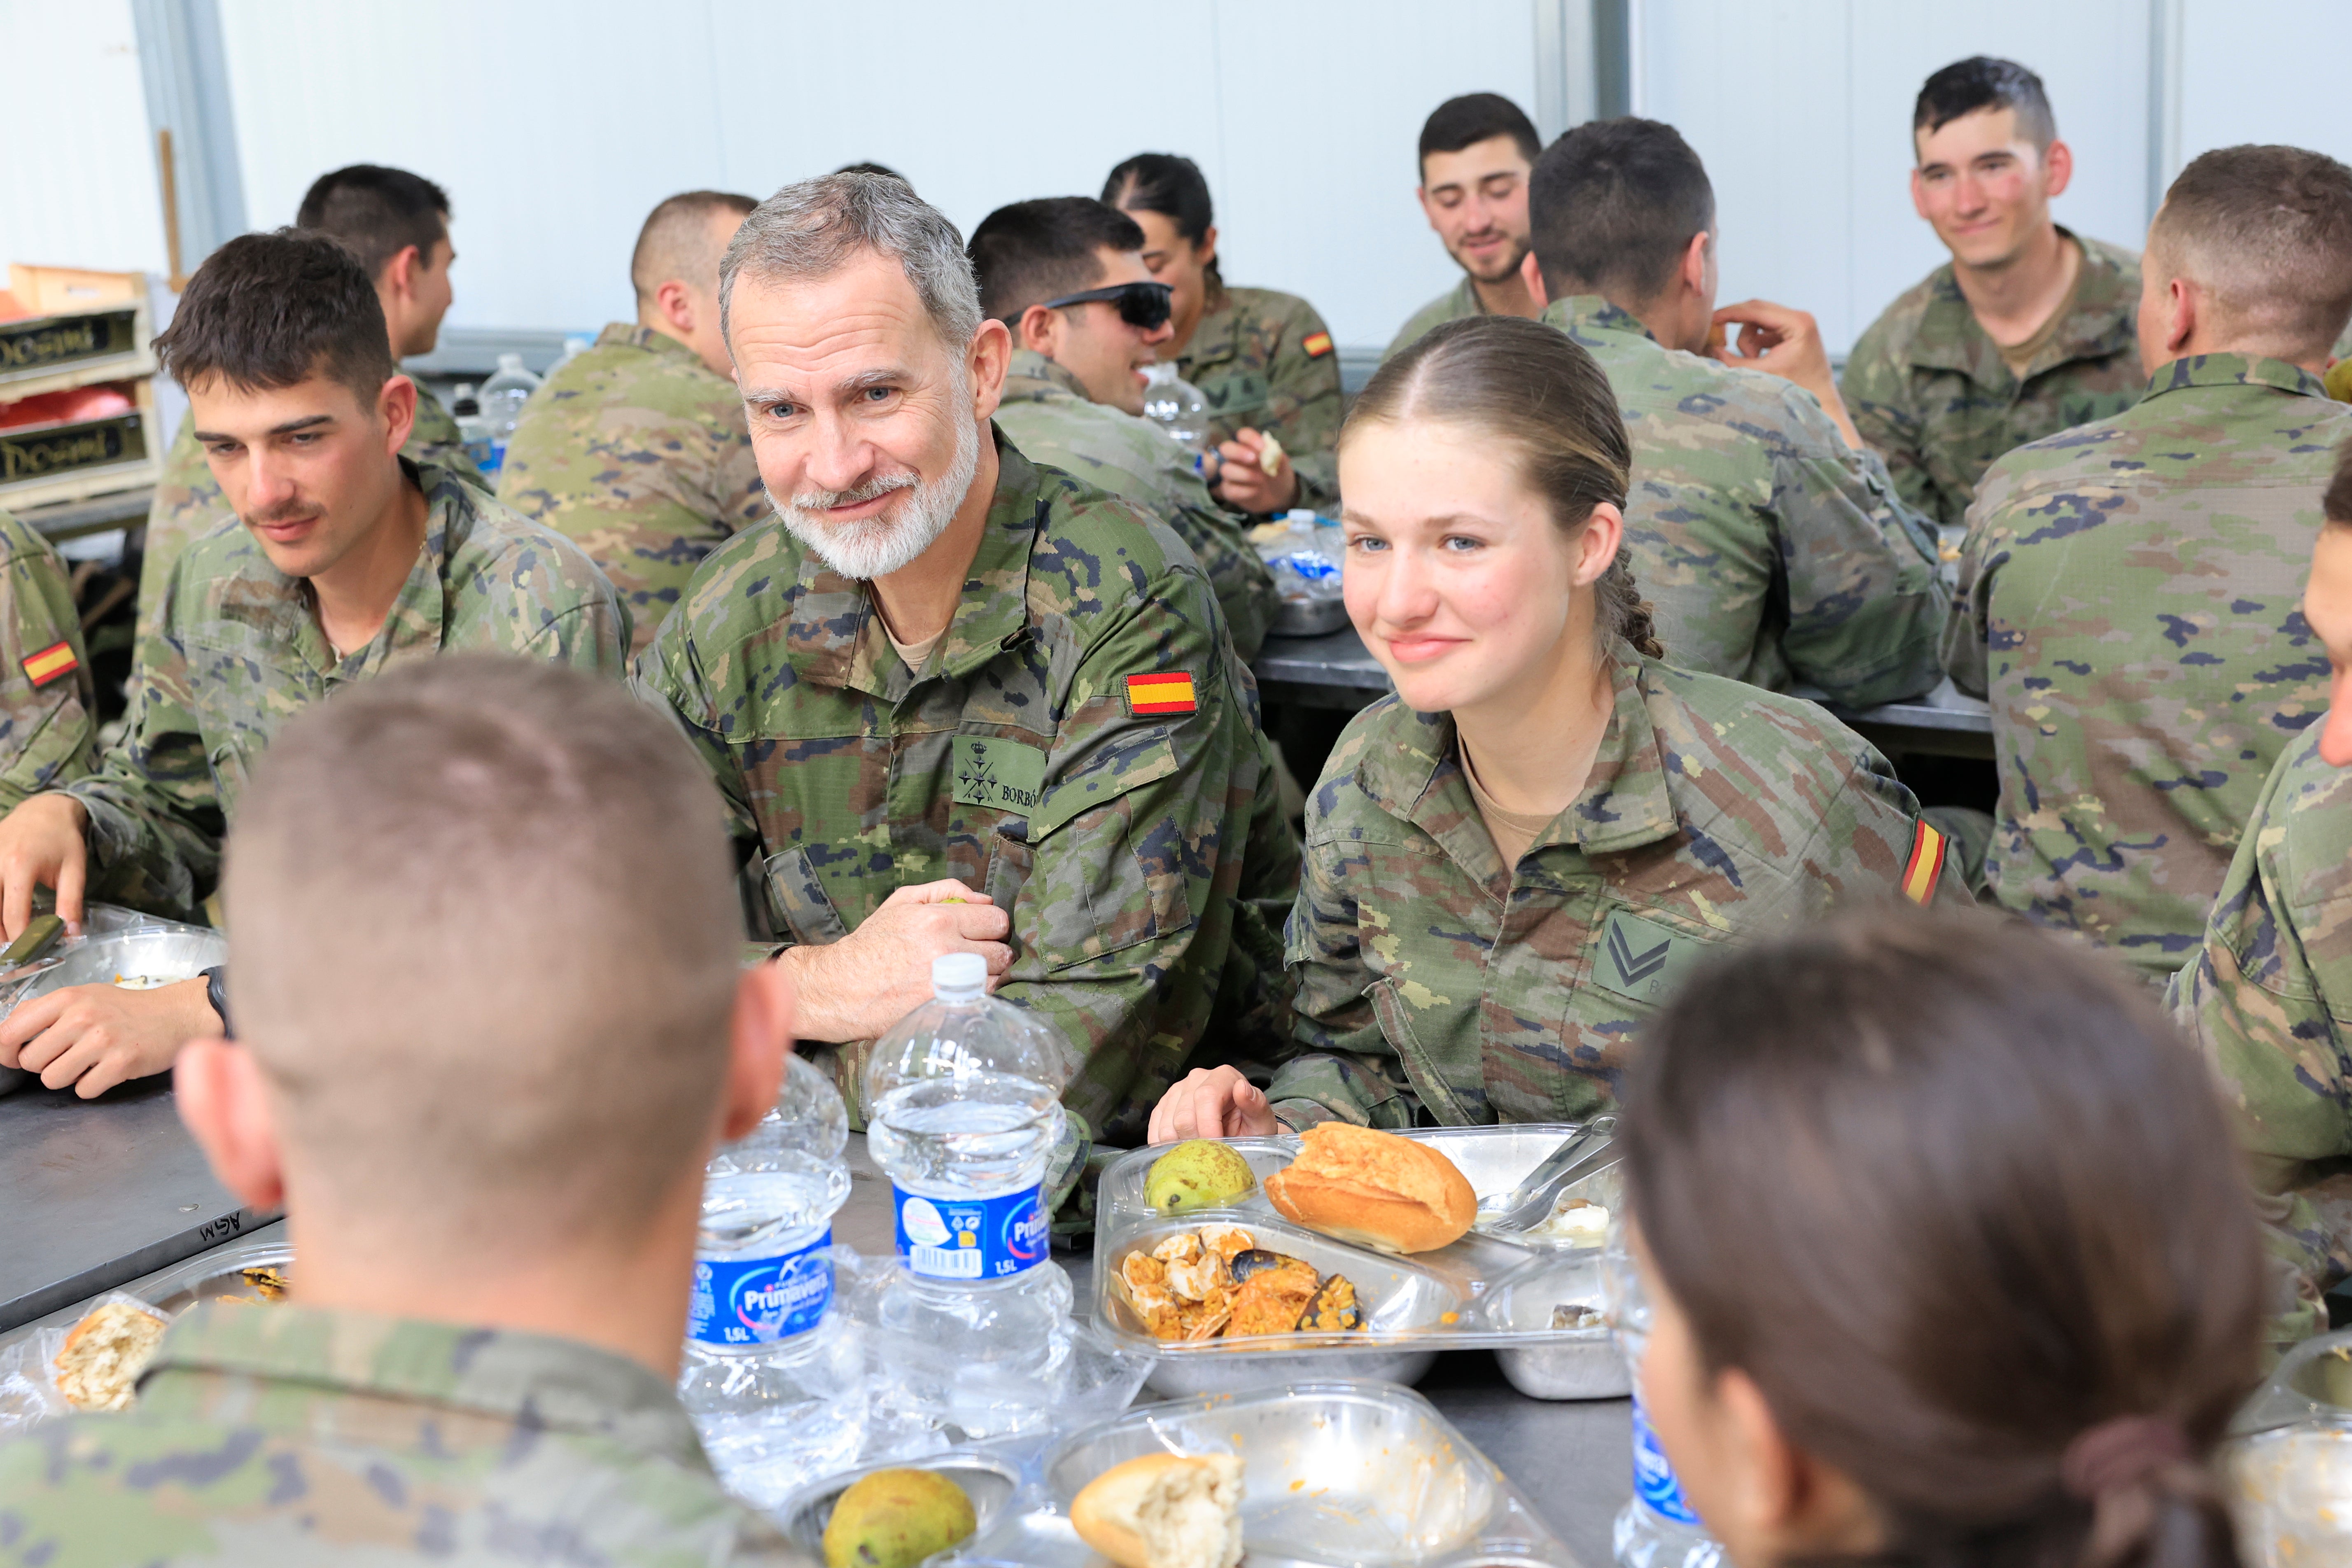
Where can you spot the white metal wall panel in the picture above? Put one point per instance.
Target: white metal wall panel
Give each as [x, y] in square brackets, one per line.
[2264, 70]
[80, 188]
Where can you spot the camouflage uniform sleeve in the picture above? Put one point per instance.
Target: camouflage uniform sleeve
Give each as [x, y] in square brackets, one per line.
[1238, 574]
[1867, 836]
[668, 676]
[1866, 604]
[1967, 629]
[1875, 393]
[155, 821]
[48, 731]
[1303, 399]
[592, 635]
[187, 502]
[2258, 1000]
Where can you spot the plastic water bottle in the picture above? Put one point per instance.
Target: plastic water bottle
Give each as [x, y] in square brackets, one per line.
[503, 396]
[1656, 1528]
[472, 428]
[1176, 405]
[965, 1093]
[573, 347]
[773, 1375]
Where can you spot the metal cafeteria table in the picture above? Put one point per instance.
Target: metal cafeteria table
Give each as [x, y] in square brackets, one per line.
[126, 1186]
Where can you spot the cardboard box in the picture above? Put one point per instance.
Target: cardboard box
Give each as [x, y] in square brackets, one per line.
[44, 463]
[69, 291]
[85, 327]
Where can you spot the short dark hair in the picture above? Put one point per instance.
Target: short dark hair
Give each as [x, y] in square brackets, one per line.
[2269, 231]
[377, 213]
[271, 311]
[1165, 183]
[1982, 81]
[675, 241]
[1030, 252]
[1612, 205]
[1476, 117]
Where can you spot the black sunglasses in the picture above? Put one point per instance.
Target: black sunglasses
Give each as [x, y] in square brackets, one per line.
[1141, 305]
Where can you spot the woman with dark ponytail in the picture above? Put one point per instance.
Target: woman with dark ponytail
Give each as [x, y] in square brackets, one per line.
[1949, 1258]
[1513, 860]
[1262, 360]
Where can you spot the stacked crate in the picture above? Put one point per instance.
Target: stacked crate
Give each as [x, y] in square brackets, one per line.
[76, 395]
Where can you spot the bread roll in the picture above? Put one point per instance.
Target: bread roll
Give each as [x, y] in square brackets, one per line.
[1164, 1510]
[104, 1355]
[1375, 1189]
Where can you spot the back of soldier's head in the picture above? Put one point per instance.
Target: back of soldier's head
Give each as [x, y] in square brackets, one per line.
[266, 311]
[681, 241]
[1475, 117]
[377, 213]
[1030, 252]
[1612, 206]
[2267, 233]
[485, 937]
[1982, 82]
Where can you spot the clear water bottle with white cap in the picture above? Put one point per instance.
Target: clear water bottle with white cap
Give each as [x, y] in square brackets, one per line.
[773, 1376]
[1656, 1528]
[1176, 405]
[965, 1113]
[503, 396]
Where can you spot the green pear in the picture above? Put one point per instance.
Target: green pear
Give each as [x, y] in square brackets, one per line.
[1200, 1174]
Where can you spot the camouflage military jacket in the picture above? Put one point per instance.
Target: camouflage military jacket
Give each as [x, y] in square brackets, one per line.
[2268, 996]
[1047, 414]
[1432, 982]
[1265, 359]
[239, 651]
[1457, 302]
[2130, 601]
[48, 707]
[1929, 390]
[1081, 746]
[189, 503]
[638, 453]
[1773, 551]
[291, 1435]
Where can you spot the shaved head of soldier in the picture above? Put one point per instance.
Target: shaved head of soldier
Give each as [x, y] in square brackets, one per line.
[2251, 254]
[486, 962]
[675, 270]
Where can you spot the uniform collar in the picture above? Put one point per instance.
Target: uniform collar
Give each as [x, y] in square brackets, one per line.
[642, 337]
[1415, 774]
[2234, 370]
[2098, 323]
[1033, 376]
[1591, 313]
[834, 638]
[535, 1381]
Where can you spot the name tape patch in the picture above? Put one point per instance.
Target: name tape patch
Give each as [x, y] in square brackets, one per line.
[51, 662]
[1642, 960]
[1003, 776]
[1167, 692]
[1317, 344]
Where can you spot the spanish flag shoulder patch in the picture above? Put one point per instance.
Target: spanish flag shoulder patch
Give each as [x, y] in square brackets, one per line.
[1169, 692]
[57, 660]
[1925, 867]
[1317, 344]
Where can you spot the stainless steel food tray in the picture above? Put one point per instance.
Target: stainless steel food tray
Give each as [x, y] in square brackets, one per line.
[1335, 1475]
[216, 1276]
[157, 949]
[1482, 1291]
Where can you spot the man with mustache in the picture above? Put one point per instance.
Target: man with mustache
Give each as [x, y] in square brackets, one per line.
[1477, 153]
[345, 559]
[956, 702]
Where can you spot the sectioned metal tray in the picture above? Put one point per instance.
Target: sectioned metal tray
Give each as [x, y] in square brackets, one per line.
[1482, 1291]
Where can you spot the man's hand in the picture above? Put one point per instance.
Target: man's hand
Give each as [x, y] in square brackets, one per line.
[1784, 343]
[95, 1036]
[42, 845]
[1242, 482]
[1213, 1102]
[855, 988]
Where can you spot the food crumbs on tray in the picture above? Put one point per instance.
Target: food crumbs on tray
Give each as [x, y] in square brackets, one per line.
[1299, 1485]
[1449, 1319]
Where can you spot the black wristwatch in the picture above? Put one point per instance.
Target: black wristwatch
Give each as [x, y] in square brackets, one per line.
[217, 992]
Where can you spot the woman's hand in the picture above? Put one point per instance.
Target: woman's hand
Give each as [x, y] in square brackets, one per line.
[1213, 1102]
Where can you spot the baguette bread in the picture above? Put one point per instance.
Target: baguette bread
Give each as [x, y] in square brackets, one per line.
[1164, 1510]
[1374, 1189]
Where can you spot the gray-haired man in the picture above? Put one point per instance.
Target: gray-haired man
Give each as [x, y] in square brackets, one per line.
[956, 702]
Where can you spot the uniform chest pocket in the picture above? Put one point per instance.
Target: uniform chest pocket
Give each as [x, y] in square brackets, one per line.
[1243, 391]
[1097, 876]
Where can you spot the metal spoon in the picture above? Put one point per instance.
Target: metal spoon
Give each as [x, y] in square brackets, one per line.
[1581, 1153]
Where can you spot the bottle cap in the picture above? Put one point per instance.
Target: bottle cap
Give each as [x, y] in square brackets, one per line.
[958, 971]
[1299, 517]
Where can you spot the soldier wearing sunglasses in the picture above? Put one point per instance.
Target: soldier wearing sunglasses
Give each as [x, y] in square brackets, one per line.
[1065, 276]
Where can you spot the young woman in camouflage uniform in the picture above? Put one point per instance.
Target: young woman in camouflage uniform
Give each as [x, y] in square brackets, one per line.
[1262, 360]
[1513, 860]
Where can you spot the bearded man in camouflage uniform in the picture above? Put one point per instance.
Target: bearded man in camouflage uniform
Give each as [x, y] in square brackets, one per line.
[1774, 550]
[635, 450]
[486, 1108]
[2129, 590]
[397, 224]
[2026, 331]
[955, 702]
[344, 559]
[1074, 394]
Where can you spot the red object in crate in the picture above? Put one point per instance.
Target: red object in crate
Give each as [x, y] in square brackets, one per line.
[71, 406]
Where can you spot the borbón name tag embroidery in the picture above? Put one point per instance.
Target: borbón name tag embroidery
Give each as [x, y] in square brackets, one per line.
[1003, 776]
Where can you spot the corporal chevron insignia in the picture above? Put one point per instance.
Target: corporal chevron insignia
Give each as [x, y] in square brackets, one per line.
[1642, 960]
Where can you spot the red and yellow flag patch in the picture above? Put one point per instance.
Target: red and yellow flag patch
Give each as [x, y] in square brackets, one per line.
[1169, 692]
[1317, 344]
[1925, 867]
[51, 662]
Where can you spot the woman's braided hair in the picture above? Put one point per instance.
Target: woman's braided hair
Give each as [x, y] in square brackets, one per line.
[1541, 396]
